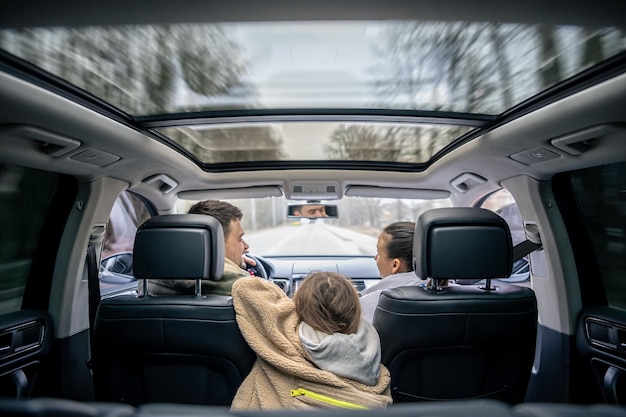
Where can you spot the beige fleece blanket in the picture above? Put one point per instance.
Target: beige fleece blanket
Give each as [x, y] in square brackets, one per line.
[269, 323]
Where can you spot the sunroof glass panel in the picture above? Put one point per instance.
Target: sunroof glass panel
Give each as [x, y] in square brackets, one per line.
[314, 141]
[439, 66]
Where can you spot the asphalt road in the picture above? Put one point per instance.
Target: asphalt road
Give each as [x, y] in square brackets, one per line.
[310, 239]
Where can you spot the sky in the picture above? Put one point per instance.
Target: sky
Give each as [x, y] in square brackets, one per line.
[308, 57]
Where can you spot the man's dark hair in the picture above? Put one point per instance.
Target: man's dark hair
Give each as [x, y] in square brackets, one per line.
[224, 212]
[399, 242]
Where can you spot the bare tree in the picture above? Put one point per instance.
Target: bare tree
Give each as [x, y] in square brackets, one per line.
[438, 65]
[240, 144]
[593, 51]
[209, 62]
[550, 69]
[141, 69]
[365, 143]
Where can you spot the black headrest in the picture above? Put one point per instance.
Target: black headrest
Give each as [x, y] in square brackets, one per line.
[179, 246]
[462, 243]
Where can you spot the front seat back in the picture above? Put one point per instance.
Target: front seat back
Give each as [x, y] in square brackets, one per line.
[463, 341]
[174, 348]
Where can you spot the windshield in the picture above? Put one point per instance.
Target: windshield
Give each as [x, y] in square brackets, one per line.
[269, 232]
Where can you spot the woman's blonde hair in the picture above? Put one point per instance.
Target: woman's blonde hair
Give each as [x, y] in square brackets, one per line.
[328, 302]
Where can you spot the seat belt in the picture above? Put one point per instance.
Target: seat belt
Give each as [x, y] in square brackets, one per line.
[531, 244]
[524, 248]
[94, 285]
[93, 282]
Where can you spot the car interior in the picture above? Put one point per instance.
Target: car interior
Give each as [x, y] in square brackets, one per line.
[498, 129]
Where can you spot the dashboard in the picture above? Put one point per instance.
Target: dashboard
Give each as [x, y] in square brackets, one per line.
[288, 272]
[116, 276]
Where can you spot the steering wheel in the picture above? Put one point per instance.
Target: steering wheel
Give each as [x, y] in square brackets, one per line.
[259, 269]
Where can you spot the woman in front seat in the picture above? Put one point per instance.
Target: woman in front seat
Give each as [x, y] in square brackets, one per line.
[394, 259]
[312, 351]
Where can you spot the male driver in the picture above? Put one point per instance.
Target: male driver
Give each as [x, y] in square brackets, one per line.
[229, 217]
[310, 210]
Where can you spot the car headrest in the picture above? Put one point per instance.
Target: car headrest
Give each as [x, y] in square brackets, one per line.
[462, 243]
[179, 246]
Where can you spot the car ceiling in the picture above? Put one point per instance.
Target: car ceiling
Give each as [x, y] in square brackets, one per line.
[32, 113]
[16, 13]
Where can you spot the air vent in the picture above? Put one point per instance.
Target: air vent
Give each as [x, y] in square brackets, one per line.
[359, 284]
[283, 284]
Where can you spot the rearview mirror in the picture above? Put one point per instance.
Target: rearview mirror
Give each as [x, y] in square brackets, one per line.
[313, 210]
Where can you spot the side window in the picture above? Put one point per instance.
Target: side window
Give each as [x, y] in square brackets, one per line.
[25, 199]
[116, 265]
[601, 194]
[502, 202]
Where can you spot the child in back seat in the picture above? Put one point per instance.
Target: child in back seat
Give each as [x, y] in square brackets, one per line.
[312, 351]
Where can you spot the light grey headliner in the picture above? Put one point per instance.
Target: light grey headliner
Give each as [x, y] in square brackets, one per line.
[19, 13]
[142, 157]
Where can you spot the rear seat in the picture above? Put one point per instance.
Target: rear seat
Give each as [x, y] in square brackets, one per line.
[474, 408]
[57, 407]
[568, 410]
[53, 407]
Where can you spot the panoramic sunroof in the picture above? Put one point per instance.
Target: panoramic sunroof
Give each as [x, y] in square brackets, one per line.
[439, 66]
[314, 142]
[448, 67]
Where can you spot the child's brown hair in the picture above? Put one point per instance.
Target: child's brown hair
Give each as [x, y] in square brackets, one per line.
[328, 302]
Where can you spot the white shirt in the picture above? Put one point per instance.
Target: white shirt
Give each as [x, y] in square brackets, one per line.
[369, 296]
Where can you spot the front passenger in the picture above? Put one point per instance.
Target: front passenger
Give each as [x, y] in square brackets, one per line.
[394, 259]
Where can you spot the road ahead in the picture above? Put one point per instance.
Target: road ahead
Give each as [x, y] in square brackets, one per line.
[310, 239]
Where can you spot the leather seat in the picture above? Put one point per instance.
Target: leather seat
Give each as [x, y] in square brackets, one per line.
[59, 407]
[463, 341]
[174, 348]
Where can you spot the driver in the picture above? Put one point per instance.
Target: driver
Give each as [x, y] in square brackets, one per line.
[235, 247]
[310, 210]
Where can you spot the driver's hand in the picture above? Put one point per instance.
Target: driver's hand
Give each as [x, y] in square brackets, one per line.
[245, 261]
[249, 264]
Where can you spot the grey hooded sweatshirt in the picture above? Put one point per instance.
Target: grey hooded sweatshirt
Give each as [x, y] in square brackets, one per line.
[355, 356]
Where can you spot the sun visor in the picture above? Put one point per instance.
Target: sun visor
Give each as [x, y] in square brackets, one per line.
[232, 193]
[395, 192]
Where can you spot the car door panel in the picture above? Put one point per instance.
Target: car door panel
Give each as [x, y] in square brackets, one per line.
[26, 340]
[601, 342]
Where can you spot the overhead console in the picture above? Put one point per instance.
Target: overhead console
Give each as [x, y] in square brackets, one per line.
[314, 190]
